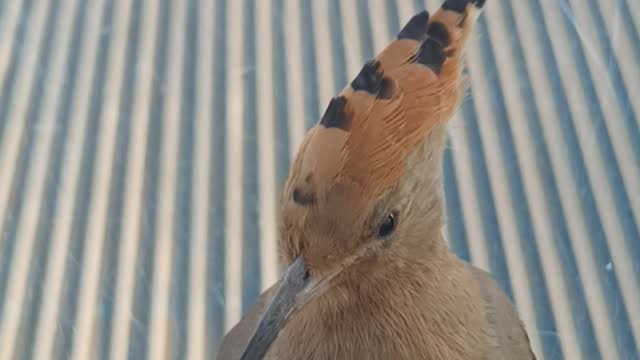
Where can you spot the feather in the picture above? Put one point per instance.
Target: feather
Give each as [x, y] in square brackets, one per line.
[380, 118]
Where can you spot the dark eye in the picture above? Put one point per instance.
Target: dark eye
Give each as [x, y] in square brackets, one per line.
[387, 226]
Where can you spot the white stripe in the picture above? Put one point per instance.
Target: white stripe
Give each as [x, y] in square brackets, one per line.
[380, 25]
[196, 342]
[351, 36]
[621, 43]
[618, 134]
[296, 89]
[53, 282]
[469, 201]
[83, 345]
[9, 21]
[234, 157]
[266, 144]
[324, 54]
[160, 344]
[634, 7]
[133, 205]
[557, 288]
[406, 10]
[499, 183]
[602, 189]
[43, 133]
[570, 199]
[16, 119]
[498, 178]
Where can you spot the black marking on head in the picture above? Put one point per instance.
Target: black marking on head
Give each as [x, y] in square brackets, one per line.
[335, 116]
[386, 90]
[456, 5]
[416, 28]
[438, 32]
[371, 80]
[460, 5]
[431, 54]
[302, 198]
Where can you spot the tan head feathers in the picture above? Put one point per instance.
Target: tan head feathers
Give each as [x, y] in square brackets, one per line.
[380, 118]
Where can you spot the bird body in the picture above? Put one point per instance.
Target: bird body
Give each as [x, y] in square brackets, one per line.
[362, 217]
[432, 326]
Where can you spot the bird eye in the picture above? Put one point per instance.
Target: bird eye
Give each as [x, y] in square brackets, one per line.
[387, 226]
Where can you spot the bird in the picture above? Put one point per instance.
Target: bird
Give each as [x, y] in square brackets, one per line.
[369, 273]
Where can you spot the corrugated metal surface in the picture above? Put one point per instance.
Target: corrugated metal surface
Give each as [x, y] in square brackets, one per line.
[143, 145]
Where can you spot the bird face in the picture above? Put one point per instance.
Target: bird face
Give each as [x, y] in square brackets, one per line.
[364, 190]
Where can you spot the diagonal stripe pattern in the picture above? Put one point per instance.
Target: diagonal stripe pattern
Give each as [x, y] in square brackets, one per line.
[144, 144]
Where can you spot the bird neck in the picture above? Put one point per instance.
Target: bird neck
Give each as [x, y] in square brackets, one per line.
[432, 309]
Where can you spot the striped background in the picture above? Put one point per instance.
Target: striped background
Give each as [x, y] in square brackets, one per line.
[143, 144]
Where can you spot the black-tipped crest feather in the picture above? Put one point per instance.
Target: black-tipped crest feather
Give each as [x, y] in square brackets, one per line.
[416, 28]
[439, 33]
[372, 80]
[460, 5]
[431, 54]
[335, 116]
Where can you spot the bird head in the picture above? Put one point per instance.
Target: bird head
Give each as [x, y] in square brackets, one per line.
[364, 189]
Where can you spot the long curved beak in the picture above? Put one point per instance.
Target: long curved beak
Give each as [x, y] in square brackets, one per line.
[294, 280]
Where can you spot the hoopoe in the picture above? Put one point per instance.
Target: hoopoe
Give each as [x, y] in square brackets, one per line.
[361, 223]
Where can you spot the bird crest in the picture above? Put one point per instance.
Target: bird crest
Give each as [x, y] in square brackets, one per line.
[359, 149]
